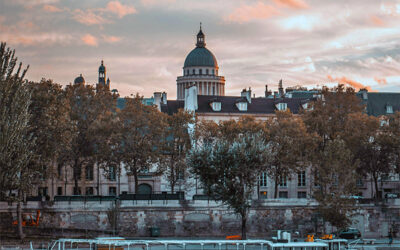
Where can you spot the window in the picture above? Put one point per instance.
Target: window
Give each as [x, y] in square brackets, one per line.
[112, 191]
[77, 191]
[193, 72]
[200, 71]
[89, 191]
[206, 71]
[263, 180]
[111, 173]
[242, 106]
[335, 179]
[213, 72]
[216, 106]
[360, 182]
[281, 106]
[264, 195]
[89, 173]
[302, 195]
[283, 181]
[283, 195]
[59, 191]
[42, 191]
[389, 109]
[301, 179]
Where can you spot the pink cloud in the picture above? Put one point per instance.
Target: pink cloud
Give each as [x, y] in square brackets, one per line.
[112, 39]
[88, 17]
[247, 13]
[295, 4]
[119, 9]
[377, 21]
[380, 81]
[346, 81]
[89, 40]
[51, 8]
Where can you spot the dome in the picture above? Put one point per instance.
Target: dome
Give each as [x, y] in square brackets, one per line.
[201, 56]
[79, 80]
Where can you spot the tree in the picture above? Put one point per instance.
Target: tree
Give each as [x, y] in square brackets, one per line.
[177, 143]
[228, 166]
[139, 141]
[374, 147]
[87, 106]
[289, 144]
[16, 143]
[332, 162]
[49, 123]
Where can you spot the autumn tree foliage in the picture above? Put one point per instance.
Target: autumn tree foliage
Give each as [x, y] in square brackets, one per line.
[137, 141]
[49, 124]
[86, 107]
[229, 164]
[16, 141]
[289, 144]
[176, 144]
[333, 163]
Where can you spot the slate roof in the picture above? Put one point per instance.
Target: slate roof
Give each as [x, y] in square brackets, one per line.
[228, 105]
[377, 102]
[172, 106]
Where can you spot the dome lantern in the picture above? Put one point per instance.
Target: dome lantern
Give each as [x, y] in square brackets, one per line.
[201, 42]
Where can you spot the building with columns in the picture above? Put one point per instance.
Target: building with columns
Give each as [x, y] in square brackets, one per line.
[201, 69]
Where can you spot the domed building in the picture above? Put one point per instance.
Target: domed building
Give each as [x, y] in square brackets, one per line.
[79, 80]
[201, 69]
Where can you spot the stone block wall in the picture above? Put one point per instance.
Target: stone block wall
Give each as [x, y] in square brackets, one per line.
[189, 219]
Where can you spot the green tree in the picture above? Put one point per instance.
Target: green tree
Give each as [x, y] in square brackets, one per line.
[228, 166]
[16, 143]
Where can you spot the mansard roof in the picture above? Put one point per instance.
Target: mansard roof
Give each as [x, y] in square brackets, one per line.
[260, 105]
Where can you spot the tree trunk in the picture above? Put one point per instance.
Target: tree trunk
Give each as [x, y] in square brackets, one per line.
[244, 229]
[135, 177]
[376, 185]
[75, 191]
[19, 217]
[276, 187]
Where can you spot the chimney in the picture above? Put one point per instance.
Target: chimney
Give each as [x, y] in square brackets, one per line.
[164, 98]
[280, 89]
[247, 94]
[364, 93]
[157, 100]
[267, 92]
[191, 98]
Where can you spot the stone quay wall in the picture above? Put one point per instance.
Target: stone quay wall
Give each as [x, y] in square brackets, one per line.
[191, 218]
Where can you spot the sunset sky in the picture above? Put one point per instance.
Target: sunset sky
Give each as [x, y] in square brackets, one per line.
[256, 42]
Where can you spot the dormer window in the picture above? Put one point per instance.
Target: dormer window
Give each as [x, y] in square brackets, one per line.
[216, 105]
[389, 109]
[242, 106]
[281, 106]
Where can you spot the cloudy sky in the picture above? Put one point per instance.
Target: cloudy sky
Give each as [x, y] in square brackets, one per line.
[144, 42]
